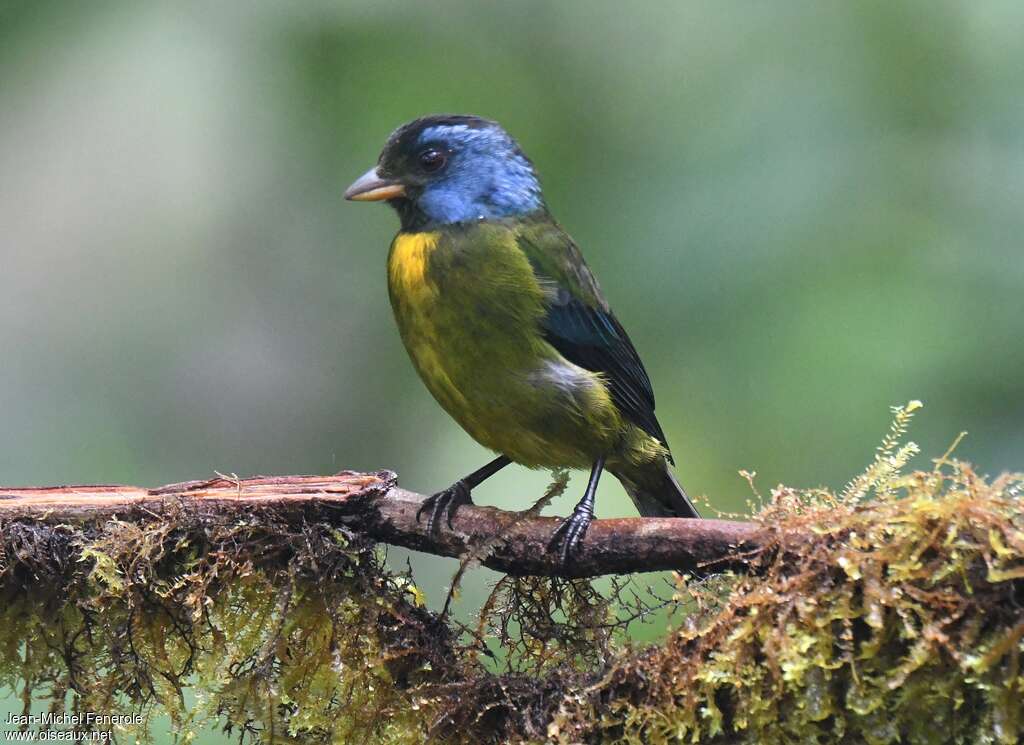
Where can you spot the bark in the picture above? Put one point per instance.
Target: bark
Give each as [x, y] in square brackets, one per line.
[373, 505]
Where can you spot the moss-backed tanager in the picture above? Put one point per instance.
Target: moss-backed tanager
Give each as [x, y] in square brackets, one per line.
[506, 324]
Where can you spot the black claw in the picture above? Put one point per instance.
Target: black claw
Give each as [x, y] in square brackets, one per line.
[444, 504]
[569, 535]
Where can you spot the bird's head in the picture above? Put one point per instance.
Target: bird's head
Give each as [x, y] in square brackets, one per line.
[440, 170]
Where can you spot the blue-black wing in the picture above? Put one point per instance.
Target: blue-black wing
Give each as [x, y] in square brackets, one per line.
[581, 326]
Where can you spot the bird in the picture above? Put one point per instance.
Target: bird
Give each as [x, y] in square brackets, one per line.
[507, 326]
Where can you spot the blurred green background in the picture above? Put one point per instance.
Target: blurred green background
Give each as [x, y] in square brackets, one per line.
[802, 212]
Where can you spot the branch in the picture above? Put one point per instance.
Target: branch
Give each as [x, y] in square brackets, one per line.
[374, 506]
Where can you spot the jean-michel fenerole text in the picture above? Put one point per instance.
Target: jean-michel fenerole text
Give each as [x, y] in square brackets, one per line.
[88, 719]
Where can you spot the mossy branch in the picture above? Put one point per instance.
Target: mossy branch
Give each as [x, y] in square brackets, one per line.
[891, 613]
[372, 505]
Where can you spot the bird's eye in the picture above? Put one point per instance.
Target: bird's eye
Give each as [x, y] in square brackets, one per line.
[432, 160]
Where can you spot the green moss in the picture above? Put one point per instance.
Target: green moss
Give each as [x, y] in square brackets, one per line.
[289, 630]
[898, 619]
[891, 612]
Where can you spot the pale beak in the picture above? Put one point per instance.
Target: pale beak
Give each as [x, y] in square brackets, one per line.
[370, 187]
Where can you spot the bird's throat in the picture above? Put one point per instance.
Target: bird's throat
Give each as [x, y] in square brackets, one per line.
[410, 254]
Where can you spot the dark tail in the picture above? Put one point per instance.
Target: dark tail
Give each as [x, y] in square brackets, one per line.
[655, 491]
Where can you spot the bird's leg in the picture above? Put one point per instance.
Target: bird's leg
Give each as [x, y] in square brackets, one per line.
[570, 533]
[444, 503]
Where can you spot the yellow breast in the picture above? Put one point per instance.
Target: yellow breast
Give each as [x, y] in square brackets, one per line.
[407, 264]
[413, 297]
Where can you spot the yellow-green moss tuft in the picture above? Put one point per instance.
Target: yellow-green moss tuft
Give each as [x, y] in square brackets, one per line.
[897, 620]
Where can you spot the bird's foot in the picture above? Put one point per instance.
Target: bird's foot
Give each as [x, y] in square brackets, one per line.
[569, 535]
[444, 504]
